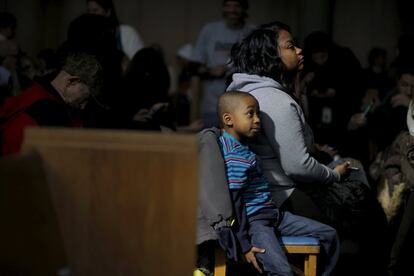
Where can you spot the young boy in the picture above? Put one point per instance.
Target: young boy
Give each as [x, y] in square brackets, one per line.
[259, 221]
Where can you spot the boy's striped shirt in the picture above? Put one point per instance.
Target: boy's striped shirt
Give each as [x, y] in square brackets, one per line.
[243, 173]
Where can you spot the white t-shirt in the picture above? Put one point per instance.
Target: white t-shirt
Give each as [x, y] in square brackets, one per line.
[213, 49]
[130, 40]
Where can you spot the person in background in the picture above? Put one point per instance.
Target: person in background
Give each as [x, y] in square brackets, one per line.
[9, 56]
[94, 34]
[145, 88]
[376, 75]
[128, 39]
[146, 103]
[334, 87]
[384, 121]
[212, 54]
[53, 102]
[46, 61]
[8, 25]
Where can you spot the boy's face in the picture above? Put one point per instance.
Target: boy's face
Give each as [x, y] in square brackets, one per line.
[244, 121]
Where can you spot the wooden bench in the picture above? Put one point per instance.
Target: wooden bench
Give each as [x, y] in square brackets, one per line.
[31, 243]
[307, 246]
[125, 201]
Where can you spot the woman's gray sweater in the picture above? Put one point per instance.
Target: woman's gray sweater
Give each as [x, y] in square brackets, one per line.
[284, 144]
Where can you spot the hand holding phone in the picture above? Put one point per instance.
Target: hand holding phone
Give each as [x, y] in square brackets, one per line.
[368, 108]
[342, 168]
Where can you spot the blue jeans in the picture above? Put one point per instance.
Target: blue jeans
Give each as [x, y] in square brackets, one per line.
[264, 234]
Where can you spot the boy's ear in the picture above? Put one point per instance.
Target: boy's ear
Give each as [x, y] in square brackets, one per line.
[227, 119]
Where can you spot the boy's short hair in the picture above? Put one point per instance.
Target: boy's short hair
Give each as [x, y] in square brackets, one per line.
[228, 101]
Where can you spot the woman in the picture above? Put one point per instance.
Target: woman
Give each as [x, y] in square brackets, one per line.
[266, 63]
[128, 39]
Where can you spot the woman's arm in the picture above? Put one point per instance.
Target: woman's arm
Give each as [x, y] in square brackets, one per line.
[284, 126]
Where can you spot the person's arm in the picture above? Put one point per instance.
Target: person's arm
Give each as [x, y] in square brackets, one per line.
[13, 134]
[237, 182]
[242, 230]
[241, 227]
[43, 112]
[236, 172]
[285, 127]
[131, 41]
[200, 60]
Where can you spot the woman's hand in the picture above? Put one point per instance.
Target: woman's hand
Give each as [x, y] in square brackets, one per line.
[400, 100]
[342, 168]
[357, 120]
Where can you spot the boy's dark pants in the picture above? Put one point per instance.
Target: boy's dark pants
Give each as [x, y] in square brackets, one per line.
[274, 261]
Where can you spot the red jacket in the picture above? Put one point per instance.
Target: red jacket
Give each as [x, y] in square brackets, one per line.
[36, 106]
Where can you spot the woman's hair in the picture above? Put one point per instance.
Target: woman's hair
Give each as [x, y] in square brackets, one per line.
[91, 33]
[258, 53]
[147, 79]
[108, 5]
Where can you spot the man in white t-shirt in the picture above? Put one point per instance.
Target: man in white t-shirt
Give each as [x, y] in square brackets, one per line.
[212, 54]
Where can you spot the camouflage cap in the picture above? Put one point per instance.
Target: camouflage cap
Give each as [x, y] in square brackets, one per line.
[87, 68]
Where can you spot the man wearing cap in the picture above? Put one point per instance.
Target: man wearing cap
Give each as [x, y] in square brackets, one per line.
[50, 103]
[212, 54]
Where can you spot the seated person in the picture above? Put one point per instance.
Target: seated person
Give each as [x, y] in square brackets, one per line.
[50, 102]
[259, 222]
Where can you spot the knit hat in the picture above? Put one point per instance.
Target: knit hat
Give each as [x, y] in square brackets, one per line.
[243, 3]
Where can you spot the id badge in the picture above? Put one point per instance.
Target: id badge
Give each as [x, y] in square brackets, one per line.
[326, 115]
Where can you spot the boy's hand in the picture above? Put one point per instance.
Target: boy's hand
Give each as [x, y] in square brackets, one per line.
[251, 258]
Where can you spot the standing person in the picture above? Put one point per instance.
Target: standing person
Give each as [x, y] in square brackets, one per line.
[259, 223]
[50, 103]
[212, 54]
[128, 39]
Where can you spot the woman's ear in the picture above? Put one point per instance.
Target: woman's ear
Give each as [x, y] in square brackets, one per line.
[227, 120]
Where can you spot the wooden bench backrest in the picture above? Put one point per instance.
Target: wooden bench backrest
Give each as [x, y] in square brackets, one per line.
[30, 239]
[126, 201]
